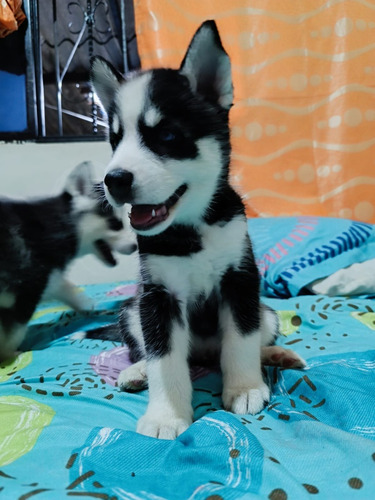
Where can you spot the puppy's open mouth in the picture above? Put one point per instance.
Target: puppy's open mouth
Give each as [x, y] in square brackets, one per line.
[143, 217]
[104, 252]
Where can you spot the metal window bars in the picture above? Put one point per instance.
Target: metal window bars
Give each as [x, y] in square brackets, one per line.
[64, 36]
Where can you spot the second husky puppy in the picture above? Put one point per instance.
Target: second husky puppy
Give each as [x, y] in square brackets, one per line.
[38, 240]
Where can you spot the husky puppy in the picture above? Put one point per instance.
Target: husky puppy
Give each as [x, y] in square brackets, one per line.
[38, 240]
[199, 285]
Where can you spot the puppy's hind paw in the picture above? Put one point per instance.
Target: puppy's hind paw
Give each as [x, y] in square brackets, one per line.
[275, 355]
[243, 401]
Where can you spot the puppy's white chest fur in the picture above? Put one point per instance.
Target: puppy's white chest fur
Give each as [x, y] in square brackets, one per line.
[201, 272]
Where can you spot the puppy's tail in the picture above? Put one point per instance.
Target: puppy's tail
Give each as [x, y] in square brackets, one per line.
[107, 332]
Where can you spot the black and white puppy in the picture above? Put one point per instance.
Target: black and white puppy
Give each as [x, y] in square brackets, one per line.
[38, 240]
[199, 285]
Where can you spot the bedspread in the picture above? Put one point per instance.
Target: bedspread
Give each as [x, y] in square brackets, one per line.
[67, 431]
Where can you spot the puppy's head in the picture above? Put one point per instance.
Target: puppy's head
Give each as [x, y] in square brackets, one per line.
[169, 133]
[101, 228]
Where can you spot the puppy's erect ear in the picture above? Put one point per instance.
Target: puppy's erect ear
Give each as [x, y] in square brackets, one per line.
[207, 66]
[80, 180]
[105, 80]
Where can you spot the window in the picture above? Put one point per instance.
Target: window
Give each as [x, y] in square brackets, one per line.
[44, 67]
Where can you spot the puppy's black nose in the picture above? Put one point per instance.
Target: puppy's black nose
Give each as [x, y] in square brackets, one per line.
[119, 183]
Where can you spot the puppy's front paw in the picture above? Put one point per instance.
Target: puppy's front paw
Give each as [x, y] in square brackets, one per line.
[133, 378]
[245, 400]
[162, 428]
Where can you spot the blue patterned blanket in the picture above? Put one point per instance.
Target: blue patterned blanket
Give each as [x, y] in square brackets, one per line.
[292, 252]
[67, 431]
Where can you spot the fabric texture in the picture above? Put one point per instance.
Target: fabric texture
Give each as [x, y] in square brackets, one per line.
[293, 252]
[66, 430]
[303, 114]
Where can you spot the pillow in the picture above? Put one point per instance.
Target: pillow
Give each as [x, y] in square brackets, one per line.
[292, 252]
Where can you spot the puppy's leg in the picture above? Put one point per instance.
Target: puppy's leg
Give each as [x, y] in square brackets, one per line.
[77, 300]
[244, 390]
[169, 411]
[59, 288]
[269, 324]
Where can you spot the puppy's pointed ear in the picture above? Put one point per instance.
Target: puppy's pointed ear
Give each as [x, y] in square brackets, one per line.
[207, 66]
[80, 180]
[105, 79]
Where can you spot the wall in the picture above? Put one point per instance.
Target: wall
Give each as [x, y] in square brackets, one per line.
[31, 169]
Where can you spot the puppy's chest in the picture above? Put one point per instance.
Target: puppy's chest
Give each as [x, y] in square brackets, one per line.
[201, 272]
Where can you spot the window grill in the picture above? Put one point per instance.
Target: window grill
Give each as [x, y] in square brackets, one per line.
[60, 39]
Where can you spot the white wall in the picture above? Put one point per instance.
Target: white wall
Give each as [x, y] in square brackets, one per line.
[31, 169]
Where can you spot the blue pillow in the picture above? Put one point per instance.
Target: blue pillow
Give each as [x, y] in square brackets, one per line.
[292, 252]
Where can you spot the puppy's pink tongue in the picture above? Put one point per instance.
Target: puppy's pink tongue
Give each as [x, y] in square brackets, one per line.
[144, 216]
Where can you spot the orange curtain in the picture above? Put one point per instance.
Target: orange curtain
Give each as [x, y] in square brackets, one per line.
[303, 123]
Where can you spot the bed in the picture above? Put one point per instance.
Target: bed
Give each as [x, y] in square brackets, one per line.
[67, 431]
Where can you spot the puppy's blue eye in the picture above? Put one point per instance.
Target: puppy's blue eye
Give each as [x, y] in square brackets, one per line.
[166, 135]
